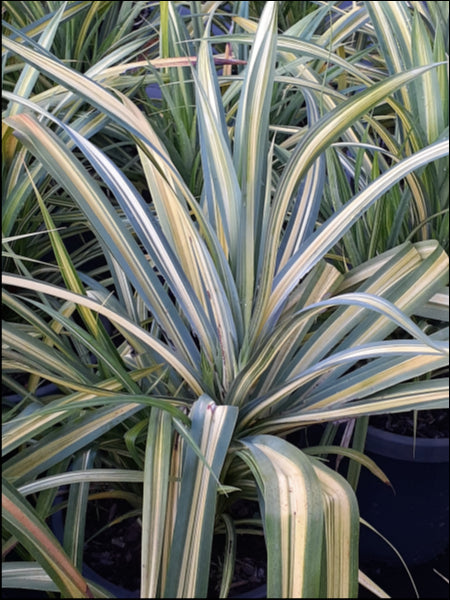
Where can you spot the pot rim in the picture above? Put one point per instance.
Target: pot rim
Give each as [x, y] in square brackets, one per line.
[403, 447]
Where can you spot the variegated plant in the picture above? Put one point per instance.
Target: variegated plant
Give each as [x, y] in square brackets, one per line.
[216, 324]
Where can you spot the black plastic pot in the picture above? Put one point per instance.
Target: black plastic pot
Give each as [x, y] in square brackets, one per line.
[259, 592]
[413, 516]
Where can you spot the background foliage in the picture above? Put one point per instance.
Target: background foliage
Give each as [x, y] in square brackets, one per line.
[222, 223]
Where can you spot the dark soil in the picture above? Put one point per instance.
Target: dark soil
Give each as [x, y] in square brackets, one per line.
[431, 424]
[115, 552]
[251, 558]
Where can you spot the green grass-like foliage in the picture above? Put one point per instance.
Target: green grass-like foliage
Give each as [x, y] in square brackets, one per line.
[203, 272]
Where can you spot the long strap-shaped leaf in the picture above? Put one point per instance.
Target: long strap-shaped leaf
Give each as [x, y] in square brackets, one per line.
[75, 521]
[274, 293]
[136, 124]
[252, 122]
[62, 443]
[70, 174]
[29, 575]
[341, 533]
[403, 280]
[392, 23]
[21, 521]
[435, 358]
[212, 428]
[20, 430]
[154, 510]
[26, 575]
[15, 339]
[29, 75]
[293, 515]
[162, 349]
[407, 396]
[324, 239]
[222, 193]
[41, 23]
